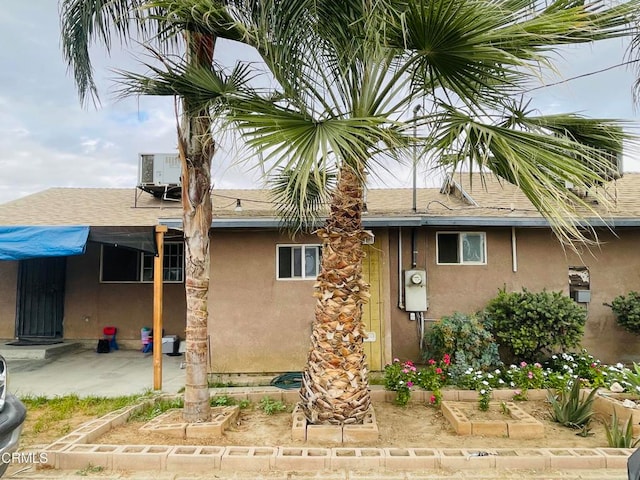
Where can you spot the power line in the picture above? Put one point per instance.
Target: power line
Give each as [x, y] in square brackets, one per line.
[583, 75]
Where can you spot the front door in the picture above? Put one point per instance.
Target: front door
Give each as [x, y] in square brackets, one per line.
[40, 305]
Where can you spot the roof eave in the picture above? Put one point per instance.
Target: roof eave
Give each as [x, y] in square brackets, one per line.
[413, 221]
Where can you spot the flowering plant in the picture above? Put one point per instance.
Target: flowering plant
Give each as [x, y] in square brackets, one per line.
[525, 376]
[484, 397]
[582, 365]
[400, 377]
[433, 377]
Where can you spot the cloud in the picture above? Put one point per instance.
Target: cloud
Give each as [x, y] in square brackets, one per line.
[48, 139]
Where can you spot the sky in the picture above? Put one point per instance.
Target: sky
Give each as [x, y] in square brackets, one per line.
[48, 139]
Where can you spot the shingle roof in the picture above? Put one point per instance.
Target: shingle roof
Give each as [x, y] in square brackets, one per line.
[132, 207]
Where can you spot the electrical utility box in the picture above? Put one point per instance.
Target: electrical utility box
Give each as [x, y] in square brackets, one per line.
[415, 290]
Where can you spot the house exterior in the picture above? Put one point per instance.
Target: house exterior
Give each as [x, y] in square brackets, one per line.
[461, 244]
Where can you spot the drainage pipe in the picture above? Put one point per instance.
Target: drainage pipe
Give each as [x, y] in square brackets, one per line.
[514, 254]
[414, 248]
[400, 294]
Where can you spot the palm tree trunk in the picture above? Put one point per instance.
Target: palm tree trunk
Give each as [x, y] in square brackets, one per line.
[335, 386]
[196, 148]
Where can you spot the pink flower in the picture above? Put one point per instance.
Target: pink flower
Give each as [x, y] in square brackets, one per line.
[438, 370]
[537, 365]
[404, 370]
[408, 363]
[523, 364]
[396, 360]
[432, 400]
[409, 384]
[446, 359]
[432, 361]
[530, 375]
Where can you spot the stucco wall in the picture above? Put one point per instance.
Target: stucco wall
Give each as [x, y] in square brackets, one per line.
[8, 285]
[541, 263]
[257, 323]
[91, 305]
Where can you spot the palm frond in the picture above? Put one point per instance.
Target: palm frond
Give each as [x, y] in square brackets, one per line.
[301, 197]
[83, 22]
[481, 50]
[207, 88]
[295, 139]
[209, 17]
[541, 157]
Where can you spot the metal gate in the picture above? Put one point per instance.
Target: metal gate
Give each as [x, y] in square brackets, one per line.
[40, 302]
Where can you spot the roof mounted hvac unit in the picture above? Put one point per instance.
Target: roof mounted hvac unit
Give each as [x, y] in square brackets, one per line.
[159, 174]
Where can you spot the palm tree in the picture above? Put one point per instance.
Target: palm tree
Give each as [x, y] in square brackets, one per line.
[350, 73]
[86, 21]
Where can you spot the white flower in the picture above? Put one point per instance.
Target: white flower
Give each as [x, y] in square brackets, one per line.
[483, 391]
[500, 381]
[489, 375]
[620, 366]
[484, 382]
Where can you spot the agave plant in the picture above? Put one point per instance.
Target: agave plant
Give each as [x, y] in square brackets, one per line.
[620, 437]
[572, 409]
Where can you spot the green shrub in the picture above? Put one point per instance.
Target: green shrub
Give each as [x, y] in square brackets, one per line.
[466, 340]
[221, 401]
[271, 406]
[530, 326]
[627, 311]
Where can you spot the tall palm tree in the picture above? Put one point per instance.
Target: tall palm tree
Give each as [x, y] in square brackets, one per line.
[350, 73]
[86, 21]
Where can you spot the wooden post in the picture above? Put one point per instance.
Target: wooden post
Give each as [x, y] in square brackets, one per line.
[158, 277]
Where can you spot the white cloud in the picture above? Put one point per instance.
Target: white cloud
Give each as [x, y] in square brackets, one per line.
[47, 139]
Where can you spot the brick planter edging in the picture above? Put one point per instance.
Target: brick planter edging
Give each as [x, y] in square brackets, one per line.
[199, 458]
[76, 451]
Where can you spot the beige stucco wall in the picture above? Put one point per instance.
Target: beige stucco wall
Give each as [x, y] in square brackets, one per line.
[91, 305]
[257, 324]
[541, 263]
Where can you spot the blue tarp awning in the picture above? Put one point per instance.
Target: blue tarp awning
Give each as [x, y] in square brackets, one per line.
[22, 242]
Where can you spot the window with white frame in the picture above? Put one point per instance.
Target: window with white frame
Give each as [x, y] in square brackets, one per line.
[461, 248]
[297, 262]
[122, 265]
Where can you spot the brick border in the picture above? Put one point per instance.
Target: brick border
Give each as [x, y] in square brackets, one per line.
[76, 451]
[516, 424]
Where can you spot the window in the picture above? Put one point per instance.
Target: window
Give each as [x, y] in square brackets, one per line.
[125, 265]
[461, 248]
[298, 262]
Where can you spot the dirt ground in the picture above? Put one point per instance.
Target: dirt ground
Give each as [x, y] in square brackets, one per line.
[411, 426]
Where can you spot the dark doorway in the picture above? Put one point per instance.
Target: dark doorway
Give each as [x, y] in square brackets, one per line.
[40, 302]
